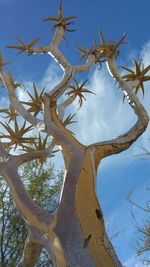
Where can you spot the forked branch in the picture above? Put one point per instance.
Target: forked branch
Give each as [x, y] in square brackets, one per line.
[124, 141]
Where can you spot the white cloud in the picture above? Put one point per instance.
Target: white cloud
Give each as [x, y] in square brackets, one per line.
[50, 79]
[145, 53]
[133, 261]
[103, 116]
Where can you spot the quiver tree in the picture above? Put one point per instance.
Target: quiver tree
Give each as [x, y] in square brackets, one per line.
[75, 234]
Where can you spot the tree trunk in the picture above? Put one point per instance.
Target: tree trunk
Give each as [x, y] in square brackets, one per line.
[75, 236]
[79, 225]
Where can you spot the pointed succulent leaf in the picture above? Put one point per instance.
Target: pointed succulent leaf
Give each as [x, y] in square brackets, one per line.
[85, 53]
[71, 92]
[76, 83]
[146, 78]
[16, 135]
[9, 114]
[137, 89]
[71, 86]
[121, 41]
[60, 14]
[61, 20]
[2, 63]
[32, 43]
[82, 85]
[138, 75]
[5, 110]
[19, 40]
[14, 84]
[127, 69]
[87, 91]
[23, 47]
[145, 70]
[16, 47]
[127, 76]
[7, 128]
[51, 19]
[16, 126]
[137, 66]
[102, 39]
[142, 88]
[79, 90]
[109, 49]
[36, 101]
[68, 120]
[36, 96]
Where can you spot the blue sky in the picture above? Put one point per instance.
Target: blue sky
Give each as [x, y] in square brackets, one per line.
[120, 173]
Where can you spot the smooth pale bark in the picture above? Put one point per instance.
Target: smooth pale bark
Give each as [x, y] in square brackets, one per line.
[82, 234]
[75, 236]
[31, 253]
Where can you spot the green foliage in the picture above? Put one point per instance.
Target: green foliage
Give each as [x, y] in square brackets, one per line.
[142, 241]
[104, 50]
[22, 47]
[10, 114]
[61, 20]
[16, 135]
[78, 90]
[43, 185]
[35, 103]
[138, 73]
[13, 83]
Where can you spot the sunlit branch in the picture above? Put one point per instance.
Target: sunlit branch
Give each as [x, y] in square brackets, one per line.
[124, 141]
[85, 67]
[47, 153]
[15, 103]
[29, 210]
[64, 105]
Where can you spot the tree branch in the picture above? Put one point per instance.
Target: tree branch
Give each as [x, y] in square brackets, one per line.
[29, 210]
[19, 159]
[15, 103]
[55, 127]
[32, 250]
[124, 141]
[85, 67]
[64, 105]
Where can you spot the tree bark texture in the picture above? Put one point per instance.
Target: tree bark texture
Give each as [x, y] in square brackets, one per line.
[75, 236]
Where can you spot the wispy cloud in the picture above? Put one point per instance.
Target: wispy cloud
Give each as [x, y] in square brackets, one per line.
[103, 116]
[134, 261]
[50, 79]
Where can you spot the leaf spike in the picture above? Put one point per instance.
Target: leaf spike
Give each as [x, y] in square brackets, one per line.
[60, 14]
[2, 63]
[19, 40]
[121, 40]
[33, 42]
[102, 38]
[61, 20]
